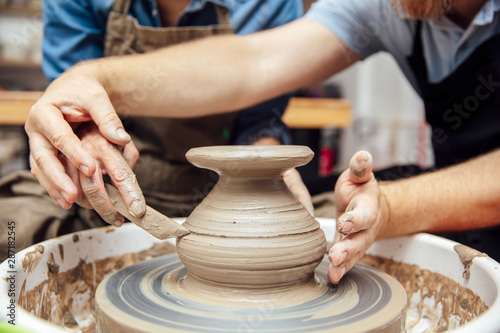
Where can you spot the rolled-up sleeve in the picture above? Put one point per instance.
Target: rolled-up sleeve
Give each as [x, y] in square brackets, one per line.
[359, 24]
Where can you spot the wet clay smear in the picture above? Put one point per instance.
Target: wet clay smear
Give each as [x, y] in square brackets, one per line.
[67, 298]
[435, 302]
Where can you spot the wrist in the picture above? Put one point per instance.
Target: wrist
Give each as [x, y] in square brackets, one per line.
[385, 221]
[93, 70]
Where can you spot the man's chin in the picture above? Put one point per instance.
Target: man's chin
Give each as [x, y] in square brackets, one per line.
[422, 9]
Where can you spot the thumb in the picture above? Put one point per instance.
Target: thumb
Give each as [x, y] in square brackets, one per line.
[360, 167]
[104, 115]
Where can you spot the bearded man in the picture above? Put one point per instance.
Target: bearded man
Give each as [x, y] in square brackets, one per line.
[448, 50]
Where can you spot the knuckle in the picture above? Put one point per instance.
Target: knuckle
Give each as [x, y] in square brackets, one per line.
[108, 214]
[134, 154]
[97, 142]
[38, 160]
[91, 190]
[58, 141]
[111, 118]
[122, 175]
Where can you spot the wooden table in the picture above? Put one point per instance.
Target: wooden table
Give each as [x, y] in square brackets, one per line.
[300, 113]
[15, 105]
[317, 113]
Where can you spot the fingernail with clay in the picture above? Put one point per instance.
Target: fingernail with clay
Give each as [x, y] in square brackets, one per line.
[122, 134]
[347, 227]
[138, 208]
[362, 157]
[118, 222]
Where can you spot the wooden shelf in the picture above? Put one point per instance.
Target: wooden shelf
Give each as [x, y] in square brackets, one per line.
[300, 113]
[317, 113]
[19, 64]
[15, 105]
[21, 10]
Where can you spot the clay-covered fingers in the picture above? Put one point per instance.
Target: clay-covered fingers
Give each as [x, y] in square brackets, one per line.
[113, 162]
[358, 178]
[360, 214]
[357, 198]
[95, 192]
[360, 167]
[346, 253]
[296, 185]
[74, 174]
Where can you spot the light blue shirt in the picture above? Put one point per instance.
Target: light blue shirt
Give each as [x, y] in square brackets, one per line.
[370, 26]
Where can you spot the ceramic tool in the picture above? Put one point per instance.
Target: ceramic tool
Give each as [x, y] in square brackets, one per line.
[153, 221]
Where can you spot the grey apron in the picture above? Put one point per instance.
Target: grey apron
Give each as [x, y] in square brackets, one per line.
[170, 184]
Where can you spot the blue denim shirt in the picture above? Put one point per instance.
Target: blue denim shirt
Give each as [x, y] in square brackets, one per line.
[74, 30]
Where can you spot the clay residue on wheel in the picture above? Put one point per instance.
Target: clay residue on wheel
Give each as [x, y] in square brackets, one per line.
[435, 302]
[67, 297]
[32, 258]
[467, 255]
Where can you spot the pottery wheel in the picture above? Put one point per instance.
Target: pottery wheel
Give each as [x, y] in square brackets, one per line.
[135, 299]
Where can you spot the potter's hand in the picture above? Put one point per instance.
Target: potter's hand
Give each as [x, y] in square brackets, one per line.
[358, 217]
[115, 162]
[76, 96]
[296, 185]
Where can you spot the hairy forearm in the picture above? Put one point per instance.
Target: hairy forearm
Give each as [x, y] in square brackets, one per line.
[462, 197]
[178, 80]
[220, 74]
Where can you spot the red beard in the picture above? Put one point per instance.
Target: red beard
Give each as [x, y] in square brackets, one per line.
[423, 9]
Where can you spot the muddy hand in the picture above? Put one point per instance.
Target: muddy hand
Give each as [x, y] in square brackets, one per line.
[118, 165]
[358, 217]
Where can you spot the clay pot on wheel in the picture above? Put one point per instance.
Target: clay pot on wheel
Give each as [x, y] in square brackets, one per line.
[250, 232]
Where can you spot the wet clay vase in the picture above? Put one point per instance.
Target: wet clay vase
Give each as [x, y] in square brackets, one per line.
[250, 232]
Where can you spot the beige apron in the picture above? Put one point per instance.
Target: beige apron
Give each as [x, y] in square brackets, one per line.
[170, 184]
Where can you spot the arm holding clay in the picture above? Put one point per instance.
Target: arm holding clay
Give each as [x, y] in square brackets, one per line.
[461, 197]
[185, 78]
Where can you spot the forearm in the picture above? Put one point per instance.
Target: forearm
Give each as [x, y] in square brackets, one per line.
[465, 196]
[220, 74]
[177, 81]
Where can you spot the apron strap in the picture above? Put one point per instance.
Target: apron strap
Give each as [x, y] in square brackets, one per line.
[222, 15]
[122, 6]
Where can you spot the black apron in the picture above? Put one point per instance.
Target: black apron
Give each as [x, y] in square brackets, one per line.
[464, 112]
